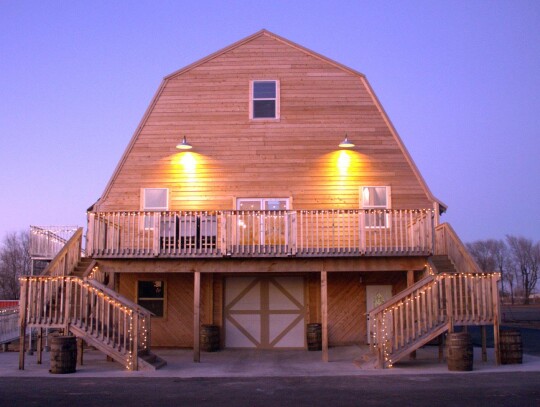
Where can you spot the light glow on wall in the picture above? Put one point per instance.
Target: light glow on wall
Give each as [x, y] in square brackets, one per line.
[344, 162]
[188, 162]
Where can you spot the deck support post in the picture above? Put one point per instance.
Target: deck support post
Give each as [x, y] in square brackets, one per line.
[80, 350]
[441, 348]
[196, 316]
[484, 344]
[39, 346]
[324, 314]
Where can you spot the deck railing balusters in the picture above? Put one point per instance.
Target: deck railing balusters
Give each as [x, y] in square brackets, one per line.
[372, 232]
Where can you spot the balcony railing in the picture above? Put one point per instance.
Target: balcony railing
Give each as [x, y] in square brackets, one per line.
[302, 233]
[47, 241]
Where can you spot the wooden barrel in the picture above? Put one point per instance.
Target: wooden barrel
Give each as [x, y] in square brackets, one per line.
[314, 336]
[459, 351]
[511, 347]
[210, 338]
[63, 354]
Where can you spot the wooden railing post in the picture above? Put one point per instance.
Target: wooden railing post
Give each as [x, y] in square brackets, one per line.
[90, 234]
[496, 318]
[449, 302]
[135, 344]
[22, 320]
[67, 305]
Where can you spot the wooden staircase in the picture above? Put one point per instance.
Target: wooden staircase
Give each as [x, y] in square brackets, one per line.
[82, 267]
[65, 297]
[455, 292]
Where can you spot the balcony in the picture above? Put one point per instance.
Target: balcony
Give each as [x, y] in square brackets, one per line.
[279, 233]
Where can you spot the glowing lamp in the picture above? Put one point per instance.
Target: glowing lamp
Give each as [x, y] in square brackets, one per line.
[184, 145]
[346, 143]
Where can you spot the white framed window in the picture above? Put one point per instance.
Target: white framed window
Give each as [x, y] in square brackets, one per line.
[153, 199]
[264, 99]
[376, 199]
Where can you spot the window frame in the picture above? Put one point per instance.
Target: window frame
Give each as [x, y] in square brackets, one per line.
[388, 205]
[252, 100]
[147, 221]
[163, 298]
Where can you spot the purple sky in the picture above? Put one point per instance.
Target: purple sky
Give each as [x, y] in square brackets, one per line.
[460, 81]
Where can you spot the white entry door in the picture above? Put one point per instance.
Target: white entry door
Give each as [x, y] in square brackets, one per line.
[264, 312]
[375, 296]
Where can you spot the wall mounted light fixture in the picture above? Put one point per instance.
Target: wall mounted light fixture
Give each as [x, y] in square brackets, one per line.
[346, 143]
[184, 145]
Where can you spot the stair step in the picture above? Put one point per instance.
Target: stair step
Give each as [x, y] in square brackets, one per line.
[151, 361]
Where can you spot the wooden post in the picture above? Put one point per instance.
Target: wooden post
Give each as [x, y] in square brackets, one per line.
[135, 334]
[449, 307]
[324, 314]
[80, 350]
[484, 351]
[22, 321]
[496, 321]
[90, 234]
[441, 348]
[67, 304]
[410, 282]
[196, 316]
[39, 346]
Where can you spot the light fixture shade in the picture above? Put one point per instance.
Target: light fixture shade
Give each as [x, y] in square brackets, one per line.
[346, 143]
[184, 145]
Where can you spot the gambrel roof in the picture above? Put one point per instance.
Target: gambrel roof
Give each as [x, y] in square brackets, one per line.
[246, 42]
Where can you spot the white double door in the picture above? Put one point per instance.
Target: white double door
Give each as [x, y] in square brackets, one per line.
[264, 312]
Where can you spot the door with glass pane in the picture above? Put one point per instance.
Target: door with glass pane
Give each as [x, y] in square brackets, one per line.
[262, 222]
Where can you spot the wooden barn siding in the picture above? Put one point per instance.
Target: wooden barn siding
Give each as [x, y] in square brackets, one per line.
[346, 304]
[175, 329]
[293, 157]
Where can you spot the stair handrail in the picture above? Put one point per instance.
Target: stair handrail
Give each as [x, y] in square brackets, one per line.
[90, 310]
[428, 308]
[448, 243]
[67, 258]
[120, 298]
[401, 295]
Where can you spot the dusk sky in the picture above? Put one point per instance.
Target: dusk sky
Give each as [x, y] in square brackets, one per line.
[460, 81]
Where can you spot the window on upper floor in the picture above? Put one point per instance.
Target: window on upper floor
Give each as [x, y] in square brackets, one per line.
[153, 199]
[264, 103]
[376, 200]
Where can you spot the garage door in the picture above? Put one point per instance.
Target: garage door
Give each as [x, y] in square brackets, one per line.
[264, 312]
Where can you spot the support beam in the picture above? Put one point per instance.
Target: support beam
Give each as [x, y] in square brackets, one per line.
[39, 346]
[196, 316]
[324, 314]
[80, 350]
[410, 278]
[484, 344]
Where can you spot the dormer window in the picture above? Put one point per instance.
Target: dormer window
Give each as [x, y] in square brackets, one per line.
[264, 100]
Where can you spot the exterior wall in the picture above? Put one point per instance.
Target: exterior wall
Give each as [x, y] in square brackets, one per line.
[295, 156]
[346, 303]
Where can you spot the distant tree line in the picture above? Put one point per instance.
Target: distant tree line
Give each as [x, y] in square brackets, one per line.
[14, 263]
[516, 258]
